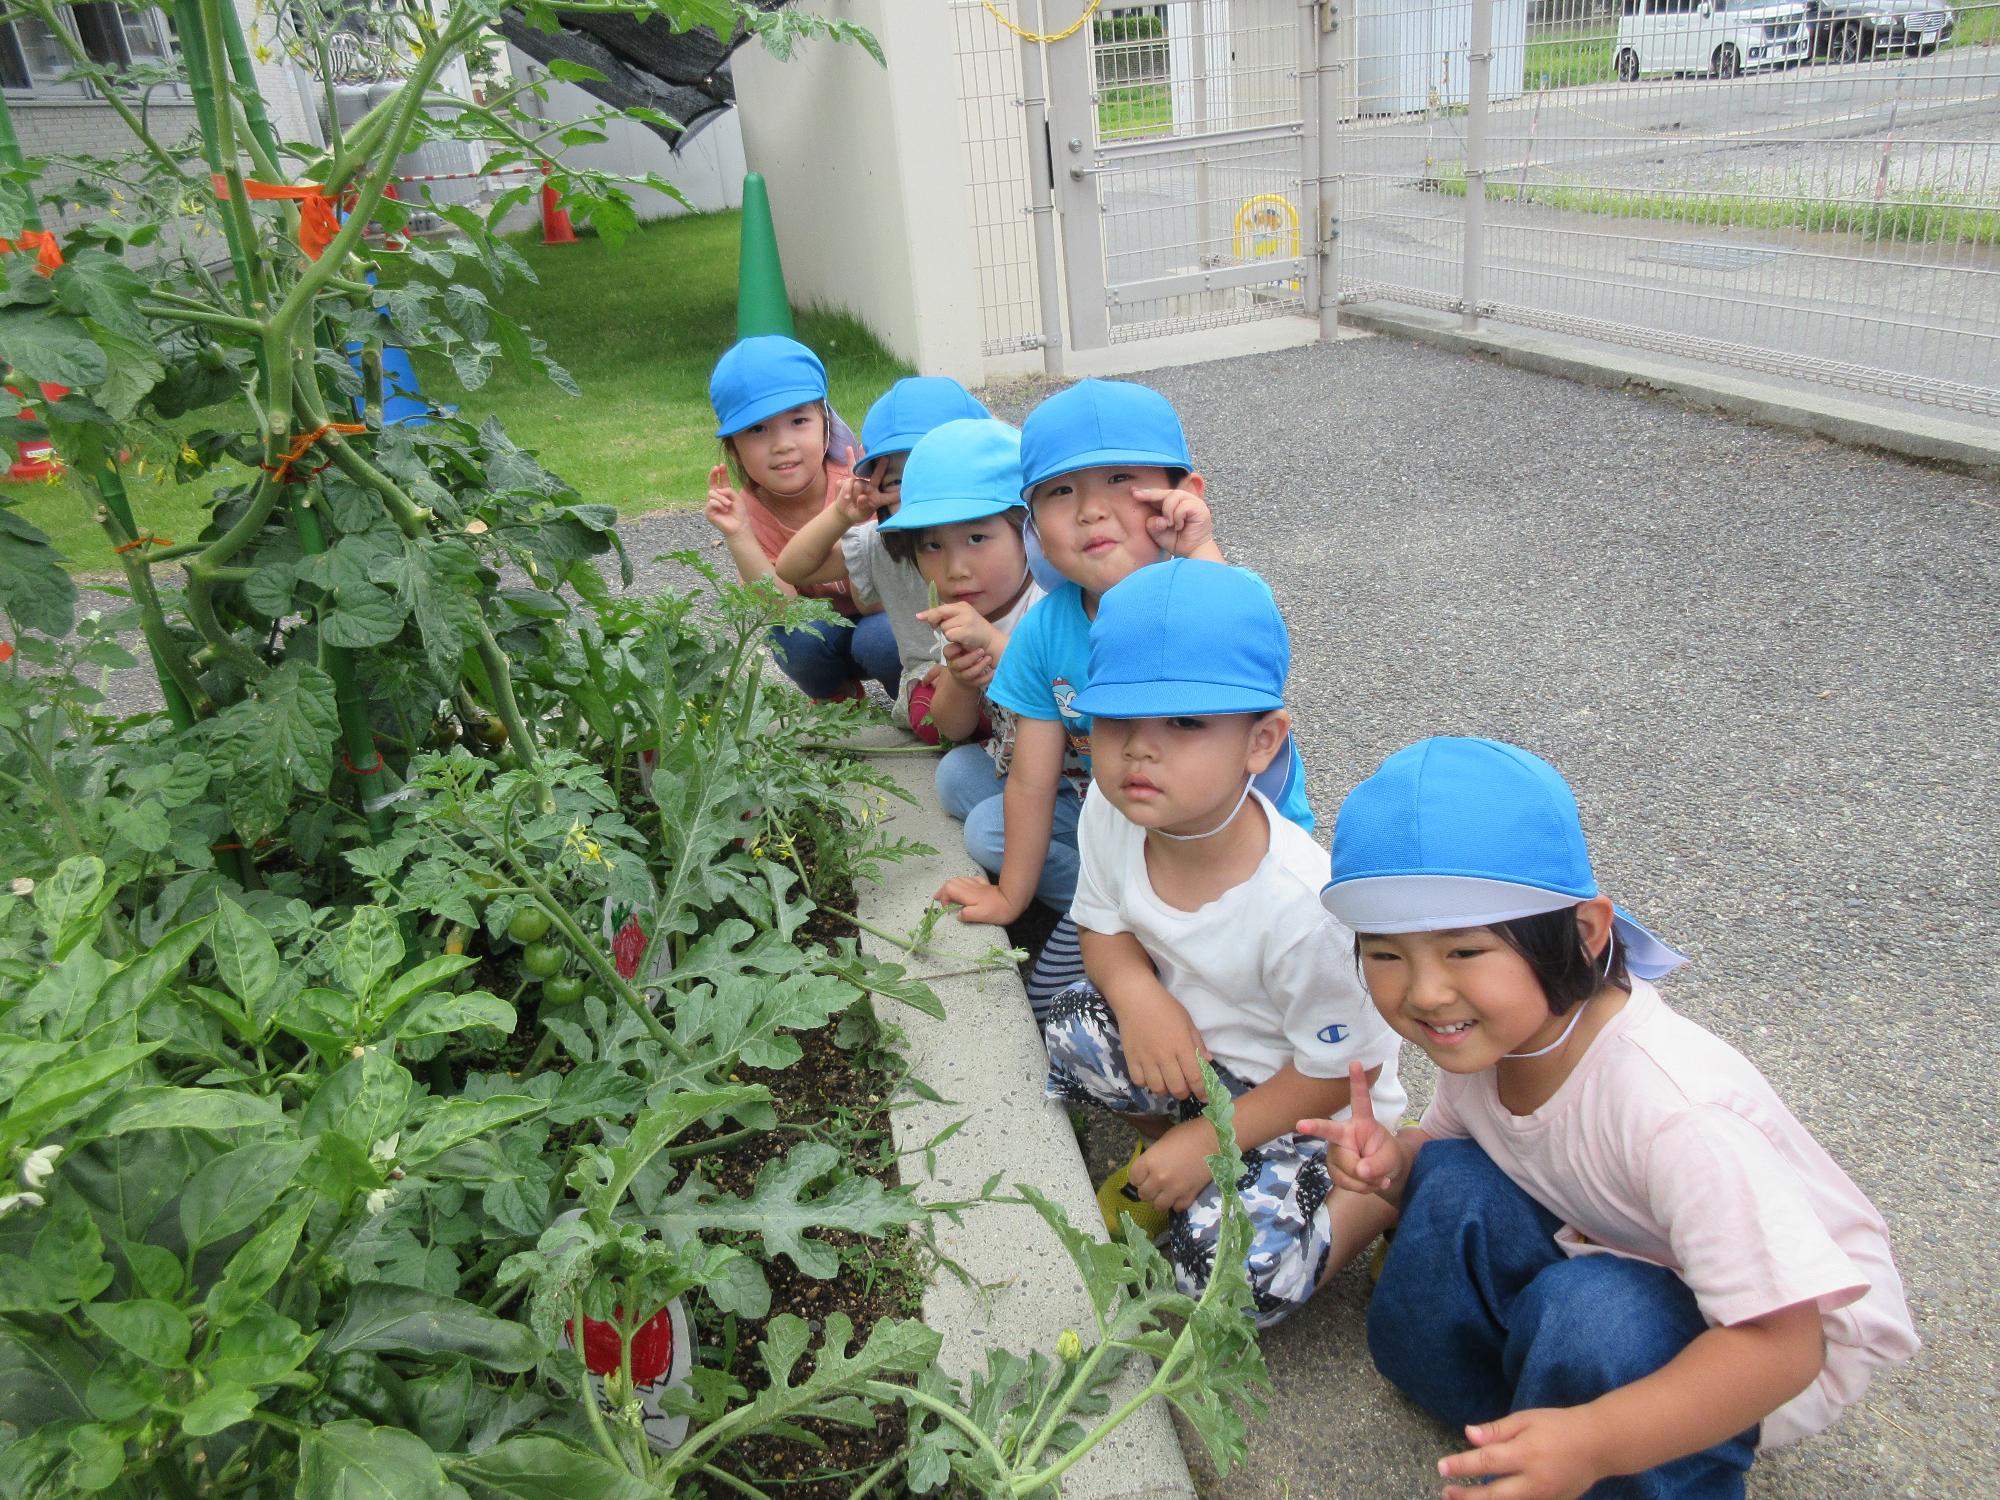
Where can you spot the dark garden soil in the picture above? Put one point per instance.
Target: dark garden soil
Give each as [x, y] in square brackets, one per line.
[841, 1095]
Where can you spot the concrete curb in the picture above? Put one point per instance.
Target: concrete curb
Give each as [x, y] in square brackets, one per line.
[986, 1060]
[1957, 445]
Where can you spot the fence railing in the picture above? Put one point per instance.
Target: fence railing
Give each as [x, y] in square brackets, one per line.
[1804, 187]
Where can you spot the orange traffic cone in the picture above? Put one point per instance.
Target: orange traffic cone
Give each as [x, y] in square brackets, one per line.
[556, 228]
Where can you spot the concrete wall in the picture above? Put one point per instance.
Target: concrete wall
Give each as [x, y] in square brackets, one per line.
[867, 175]
[709, 169]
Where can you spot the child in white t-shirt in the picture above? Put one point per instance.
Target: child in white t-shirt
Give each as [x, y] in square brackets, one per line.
[1621, 1263]
[1198, 910]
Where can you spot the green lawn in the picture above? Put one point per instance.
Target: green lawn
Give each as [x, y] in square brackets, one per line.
[1564, 56]
[1133, 109]
[1918, 218]
[639, 327]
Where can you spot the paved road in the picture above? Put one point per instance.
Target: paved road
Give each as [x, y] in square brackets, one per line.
[1768, 665]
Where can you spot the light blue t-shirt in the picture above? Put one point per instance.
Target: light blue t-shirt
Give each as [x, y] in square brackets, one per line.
[1047, 664]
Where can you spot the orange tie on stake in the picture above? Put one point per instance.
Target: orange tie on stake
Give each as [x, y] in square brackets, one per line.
[318, 222]
[301, 445]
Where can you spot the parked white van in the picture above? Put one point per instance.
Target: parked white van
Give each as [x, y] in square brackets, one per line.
[1723, 37]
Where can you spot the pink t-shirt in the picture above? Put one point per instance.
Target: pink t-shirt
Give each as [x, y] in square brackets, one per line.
[1666, 1145]
[772, 535]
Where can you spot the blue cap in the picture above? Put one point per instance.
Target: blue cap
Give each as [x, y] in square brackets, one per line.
[1466, 833]
[760, 377]
[1097, 422]
[959, 471]
[1186, 637]
[909, 409]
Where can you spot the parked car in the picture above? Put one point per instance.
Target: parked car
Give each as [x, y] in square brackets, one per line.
[1723, 37]
[1851, 30]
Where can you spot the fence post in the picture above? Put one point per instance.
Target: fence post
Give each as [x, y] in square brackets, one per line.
[1312, 181]
[1324, 18]
[1480, 55]
[1041, 190]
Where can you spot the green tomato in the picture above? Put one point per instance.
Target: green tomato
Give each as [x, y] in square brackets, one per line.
[528, 925]
[562, 989]
[212, 357]
[543, 959]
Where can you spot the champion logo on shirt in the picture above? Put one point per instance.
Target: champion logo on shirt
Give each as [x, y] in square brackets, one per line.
[1333, 1035]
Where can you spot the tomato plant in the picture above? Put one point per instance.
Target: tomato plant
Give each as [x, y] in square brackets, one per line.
[289, 1209]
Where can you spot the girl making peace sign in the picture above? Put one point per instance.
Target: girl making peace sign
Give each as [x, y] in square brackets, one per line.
[1622, 1264]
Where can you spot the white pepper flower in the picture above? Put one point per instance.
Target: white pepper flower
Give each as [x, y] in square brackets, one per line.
[40, 1166]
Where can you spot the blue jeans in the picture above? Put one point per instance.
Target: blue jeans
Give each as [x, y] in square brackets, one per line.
[824, 657]
[1479, 1313]
[971, 789]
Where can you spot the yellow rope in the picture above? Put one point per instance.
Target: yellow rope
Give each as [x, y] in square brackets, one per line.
[1053, 36]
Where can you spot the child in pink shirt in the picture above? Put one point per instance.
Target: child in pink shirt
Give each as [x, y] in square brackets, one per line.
[1622, 1265]
[779, 435]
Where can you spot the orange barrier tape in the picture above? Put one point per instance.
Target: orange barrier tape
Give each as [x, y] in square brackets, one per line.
[48, 253]
[302, 444]
[318, 222]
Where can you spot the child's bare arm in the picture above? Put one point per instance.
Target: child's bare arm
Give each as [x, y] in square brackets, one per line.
[813, 554]
[1174, 1169]
[1030, 811]
[1721, 1383]
[1160, 1041]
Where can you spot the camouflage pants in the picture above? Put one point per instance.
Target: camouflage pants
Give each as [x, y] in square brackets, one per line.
[1284, 1185]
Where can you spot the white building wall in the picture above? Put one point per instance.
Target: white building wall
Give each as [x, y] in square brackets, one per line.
[867, 178]
[709, 169]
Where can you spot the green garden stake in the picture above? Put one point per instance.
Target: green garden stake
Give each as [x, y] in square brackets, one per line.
[761, 303]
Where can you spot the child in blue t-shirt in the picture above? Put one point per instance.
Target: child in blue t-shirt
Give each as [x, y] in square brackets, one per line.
[1110, 487]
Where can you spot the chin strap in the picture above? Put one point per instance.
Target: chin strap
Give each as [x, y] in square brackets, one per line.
[1189, 838]
[1545, 1051]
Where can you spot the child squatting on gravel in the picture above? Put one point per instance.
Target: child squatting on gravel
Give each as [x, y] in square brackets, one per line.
[1203, 936]
[1622, 1265]
[843, 542]
[780, 435]
[961, 526]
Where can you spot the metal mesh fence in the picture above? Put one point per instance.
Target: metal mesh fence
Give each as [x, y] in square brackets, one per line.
[1808, 189]
[1198, 135]
[996, 168]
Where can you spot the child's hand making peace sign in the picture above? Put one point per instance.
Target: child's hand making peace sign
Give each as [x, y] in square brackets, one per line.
[1184, 524]
[856, 497]
[1362, 1153]
[722, 509]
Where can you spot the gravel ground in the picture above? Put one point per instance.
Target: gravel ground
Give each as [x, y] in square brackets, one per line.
[1767, 665]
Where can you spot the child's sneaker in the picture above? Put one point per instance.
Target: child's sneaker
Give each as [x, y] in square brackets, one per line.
[1116, 1197]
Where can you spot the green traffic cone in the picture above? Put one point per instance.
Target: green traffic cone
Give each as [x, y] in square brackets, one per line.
[761, 303]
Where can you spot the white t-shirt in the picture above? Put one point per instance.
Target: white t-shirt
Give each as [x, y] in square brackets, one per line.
[1264, 973]
[1666, 1145]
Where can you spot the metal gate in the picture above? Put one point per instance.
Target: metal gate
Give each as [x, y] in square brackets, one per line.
[1178, 136]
